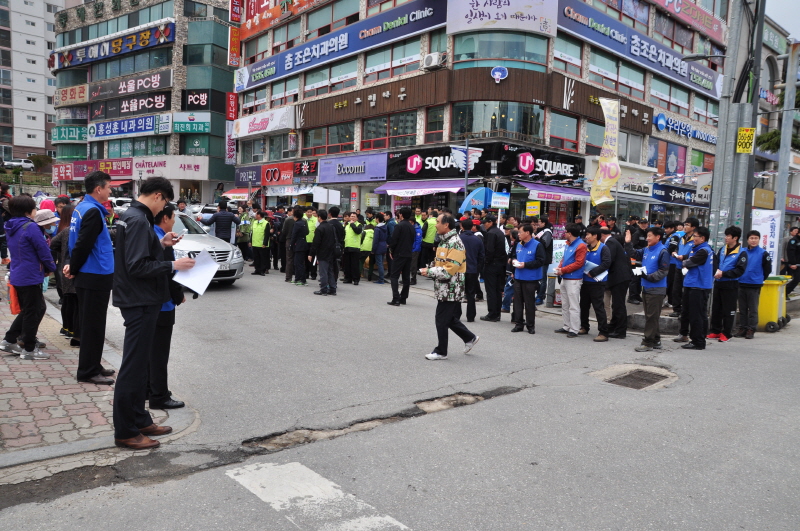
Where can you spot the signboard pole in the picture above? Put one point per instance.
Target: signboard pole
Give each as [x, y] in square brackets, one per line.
[466, 171]
[616, 202]
[786, 138]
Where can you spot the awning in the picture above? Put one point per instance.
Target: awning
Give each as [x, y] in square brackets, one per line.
[415, 188]
[559, 194]
[119, 183]
[635, 198]
[239, 194]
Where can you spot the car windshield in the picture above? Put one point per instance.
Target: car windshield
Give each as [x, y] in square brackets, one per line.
[185, 222]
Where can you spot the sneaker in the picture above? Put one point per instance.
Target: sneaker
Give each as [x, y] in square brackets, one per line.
[35, 354]
[539, 302]
[64, 332]
[469, 344]
[435, 356]
[713, 336]
[571, 335]
[723, 338]
[11, 348]
[643, 348]
[658, 346]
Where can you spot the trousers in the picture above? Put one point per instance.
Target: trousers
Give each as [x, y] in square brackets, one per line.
[131, 386]
[289, 261]
[300, 258]
[494, 276]
[619, 310]
[471, 285]
[260, 259]
[448, 317]
[677, 289]
[570, 304]
[401, 265]
[748, 306]
[32, 310]
[723, 307]
[694, 315]
[93, 306]
[327, 276]
[795, 279]
[652, 316]
[159, 358]
[592, 296]
[350, 263]
[525, 292]
[70, 314]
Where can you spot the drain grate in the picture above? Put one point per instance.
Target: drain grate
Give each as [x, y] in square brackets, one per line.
[637, 379]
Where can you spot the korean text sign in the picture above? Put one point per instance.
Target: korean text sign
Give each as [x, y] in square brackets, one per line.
[525, 15]
[608, 170]
[132, 42]
[145, 125]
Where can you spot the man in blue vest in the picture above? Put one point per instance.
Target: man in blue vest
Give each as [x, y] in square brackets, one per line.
[527, 276]
[92, 266]
[679, 251]
[653, 273]
[570, 269]
[730, 263]
[759, 267]
[593, 289]
[698, 279]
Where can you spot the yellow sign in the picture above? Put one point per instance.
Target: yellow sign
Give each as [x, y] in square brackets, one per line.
[744, 141]
[532, 208]
[608, 170]
[763, 198]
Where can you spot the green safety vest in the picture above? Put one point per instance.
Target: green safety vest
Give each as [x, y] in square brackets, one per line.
[351, 239]
[312, 227]
[259, 232]
[419, 219]
[373, 222]
[429, 233]
[366, 240]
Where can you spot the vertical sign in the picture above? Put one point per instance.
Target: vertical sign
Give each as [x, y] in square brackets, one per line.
[768, 223]
[234, 47]
[235, 11]
[231, 106]
[608, 170]
[230, 144]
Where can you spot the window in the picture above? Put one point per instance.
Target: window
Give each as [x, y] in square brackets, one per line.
[30, 23]
[285, 91]
[5, 58]
[563, 131]
[286, 36]
[485, 119]
[6, 115]
[630, 147]
[718, 7]
[31, 61]
[31, 99]
[30, 80]
[49, 100]
[616, 74]
[205, 54]
[7, 135]
[674, 35]
[701, 162]
[194, 9]
[434, 124]
[331, 17]
[279, 147]
[328, 140]
[396, 130]
[255, 100]
[379, 6]
[706, 47]
[31, 135]
[120, 148]
[393, 60]
[5, 96]
[96, 151]
[6, 152]
[30, 42]
[51, 118]
[567, 54]
[437, 41]
[51, 82]
[31, 118]
[5, 18]
[5, 77]
[51, 153]
[28, 3]
[52, 8]
[500, 48]
[51, 27]
[48, 136]
[5, 38]
[633, 13]
[705, 110]
[670, 96]
[594, 138]
[331, 78]
[256, 49]
[252, 150]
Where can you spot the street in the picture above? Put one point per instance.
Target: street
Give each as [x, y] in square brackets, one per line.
[539, 443]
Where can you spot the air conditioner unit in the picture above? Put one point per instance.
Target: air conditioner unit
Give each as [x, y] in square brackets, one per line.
[434, 60]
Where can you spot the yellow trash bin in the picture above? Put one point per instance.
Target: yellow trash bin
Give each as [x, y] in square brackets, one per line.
[772, 314]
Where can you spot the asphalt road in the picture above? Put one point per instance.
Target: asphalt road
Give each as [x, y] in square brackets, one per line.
[715, 449]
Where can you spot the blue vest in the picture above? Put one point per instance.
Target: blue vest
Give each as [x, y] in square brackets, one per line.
[680, 234]
[753, 274]
[526, 252]
[728, 262]
[685, 247]
[569, 258]
[595, 258]
[702, 276]
[650, 264]
[101, 259]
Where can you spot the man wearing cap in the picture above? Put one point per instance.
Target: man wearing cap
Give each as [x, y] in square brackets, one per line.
[494, 271]
[581, 226]
[639, 242]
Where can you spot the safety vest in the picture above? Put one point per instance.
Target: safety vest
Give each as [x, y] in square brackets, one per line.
[594, 256]
[702, 276]
[101, 259]
[366, 240]
[569, 258]
[312, 227]
[373, 222]
[727, 261]
[351, 239]
[753, 274]
[429, 233]
[259, 232]
[680, 234]
[650, 260]
[526, 252]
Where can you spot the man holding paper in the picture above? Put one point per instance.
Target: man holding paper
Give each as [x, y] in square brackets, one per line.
[527, 275]
[653, 273]
[593, 289]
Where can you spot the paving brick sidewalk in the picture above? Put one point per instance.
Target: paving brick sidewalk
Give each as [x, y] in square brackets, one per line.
[41, 403]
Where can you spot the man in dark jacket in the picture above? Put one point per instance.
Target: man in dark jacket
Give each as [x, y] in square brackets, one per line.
[141, 286]
[222, 221]
[639, 241]
[298, 245]
[380, 244]
[494, 270]
[400, 247]
[285, 240]
[278, 254]
[619, 277]
[792, 262]
[323, 247]
[544, 235]
[336, 223]
[475, 258]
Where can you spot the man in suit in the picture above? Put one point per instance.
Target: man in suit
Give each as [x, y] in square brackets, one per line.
[494, 271]
[619, 277]
[400, 247]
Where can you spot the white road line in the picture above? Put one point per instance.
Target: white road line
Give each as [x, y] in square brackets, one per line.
[310, 501]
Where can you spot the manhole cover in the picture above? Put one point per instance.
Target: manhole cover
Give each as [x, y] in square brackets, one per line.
[637, 379]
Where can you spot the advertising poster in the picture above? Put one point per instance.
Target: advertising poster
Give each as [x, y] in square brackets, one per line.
[608, 171]
[768, 223]
[536, 16]
[230, 144]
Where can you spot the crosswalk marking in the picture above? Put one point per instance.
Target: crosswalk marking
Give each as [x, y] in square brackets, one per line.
[310, 501]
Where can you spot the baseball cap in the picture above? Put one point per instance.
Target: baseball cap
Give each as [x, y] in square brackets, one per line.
[490, 219]
[45, 217]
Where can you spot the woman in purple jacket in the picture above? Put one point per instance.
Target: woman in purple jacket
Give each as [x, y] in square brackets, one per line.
[31, 261]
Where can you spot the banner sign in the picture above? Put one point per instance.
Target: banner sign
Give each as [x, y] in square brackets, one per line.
[792, 204]
[276, 174]
[522, 15]
[142, 39]
[745, 140]
[231, 106]
[500, 200]
[769, 224]
[172, 167]
[354, 168]
[305, 168]
[234, 47]
[695, 16]
[259, 16]
[147, 125]
[281, 191]
[235, 11]
[134, 85]
[608, 170]
[191, 122]
[230, 144]
[82, 168]
[263, 123]
[62, 172]
[75, 134]
[245, 175]
[773, 39]
[459, 154]
[124, 107]
[677, 196]
[661, 122]
[72, 113]
[71, 96]
[612, 35]
[412, 18]
[532, 208]
[116, 167]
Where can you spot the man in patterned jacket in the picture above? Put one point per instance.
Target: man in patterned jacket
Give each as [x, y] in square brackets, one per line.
[447, 271]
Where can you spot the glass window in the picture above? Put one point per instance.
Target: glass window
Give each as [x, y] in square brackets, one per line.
[563, 131]
[286, 36]
[434, 124]
[113, 149]
[705, 110]
[438, 41]
[603, 68]
[672, 34]
[393, 60]
[633, 13]
[155, 13]
[194, 9]
[168, 9]
[594, 138]
[330, 140]
[112, 68]
[331, 17]
[379, 6]
[331, 78]
[160, 57]
[500, 48]
[670, 96]
[279, 147]
[112, 25]
[127, 65]
[142, 62]
[396, 130]
[567, 54]
[144, 15]
[5, 77]
[487, 119]
[285, 91]
[139, 147]
[157, 145]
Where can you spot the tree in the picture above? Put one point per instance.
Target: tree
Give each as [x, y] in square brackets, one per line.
[40, 161]
[771, 141]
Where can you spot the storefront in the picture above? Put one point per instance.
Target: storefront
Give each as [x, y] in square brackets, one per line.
[357, 179]
[188, 174]
[561, 204]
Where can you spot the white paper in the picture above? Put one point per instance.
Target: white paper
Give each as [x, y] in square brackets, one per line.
[591, 265]
[199, 277]
[685, 271]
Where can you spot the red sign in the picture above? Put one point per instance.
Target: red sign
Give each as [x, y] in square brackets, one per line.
[307, 167]
[695, 16]
[231, 106]
[235, 10]
[62, 172]
[792, 204]
[116, 167]
[234, 47]
[81, 169]
[277, 174]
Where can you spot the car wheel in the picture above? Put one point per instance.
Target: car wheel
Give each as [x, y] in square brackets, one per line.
[226, 282]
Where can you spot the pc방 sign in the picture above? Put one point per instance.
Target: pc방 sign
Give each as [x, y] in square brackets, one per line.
[134, 85]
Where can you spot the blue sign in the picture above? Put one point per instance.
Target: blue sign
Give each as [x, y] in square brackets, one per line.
[587, 23]
[147, 125]
[676, 196]
[353, 168]
[658, 208]
[396, 24]
[499, 72]
[132, 42]
[245, 175]
[478, 198]
[682, 129]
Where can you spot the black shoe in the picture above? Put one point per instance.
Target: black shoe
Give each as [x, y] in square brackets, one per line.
[518, 328]
[74, 342]
[169, 403]
[403, 302]
[616, 335]
[633, 301]
[470, 320]
[107, 372]
[674, 314]
[393, 303]
[692, 346]
[321, 292]
[412, 283]
[347, 281]
[531, 330]
[355, 283]
[255, 273]
[571, 335]
[313, 277]
[332, 292]
[561, 331]
[283, 271]
[490, 319]
[64, 332]
[98, 380]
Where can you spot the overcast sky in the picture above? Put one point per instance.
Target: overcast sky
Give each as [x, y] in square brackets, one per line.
[785, 13]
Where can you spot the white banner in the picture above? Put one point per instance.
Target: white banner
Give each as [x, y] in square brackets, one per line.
[289, 190]
[172, 167]
[768, 223]
[264, 123]
[538, 16]
[230, 144]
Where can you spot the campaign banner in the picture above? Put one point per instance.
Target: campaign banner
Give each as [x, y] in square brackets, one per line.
[412, 18]
[558, 254]
[263, 123]
[522, 15]
[134, 85]
[353, 168]
[769, 224]
[695, 16]
[500, 200]
[147, 125]
[234, 47]
[608, 171]
[586, 23]
[245, 175]
[191, 122]
[69, 134]
[141, 39]
[230, 144]
[71, 96]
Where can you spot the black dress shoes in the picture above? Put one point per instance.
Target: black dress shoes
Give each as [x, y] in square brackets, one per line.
[98, 380]
[320, 292]
[692, 346]
[518, 328]
[393, 303]
[490, 319]
[616, 335]
[107, 372]
[167, 404]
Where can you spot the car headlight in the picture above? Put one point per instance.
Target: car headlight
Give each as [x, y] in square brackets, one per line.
[180, 253]
[237, 255]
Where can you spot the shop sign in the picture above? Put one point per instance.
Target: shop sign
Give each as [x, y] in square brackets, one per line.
[235, 11]
[704, 187]
[773, 39]
[353, 169]
[589, 24]
[75, 134]
[770, 98]
[231, 105]
[71, 96]
[191, 122]
[695, 16]
[533, 208]
[763, 198]
[264, 123]
[259, 16]
[792, 204]
[281, 191]
[142, 39]
[132, 106]
[234, 47]
[658, 208]
[305, 167]
[247, 175]
[276, 174]
[520, 15]
[72, 113]
[62, 172]
[767, 222]
[230, 144]
[527, 164]
[682, 129]
[204, 100]
[147, 125]
[412, 18]
[134, 85]
[172, 167]
[195, 144]
[82, 168]
[113, 167]
[676, 196]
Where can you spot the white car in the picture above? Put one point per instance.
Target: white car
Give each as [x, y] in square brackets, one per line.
[25, 164]
[230, 266]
